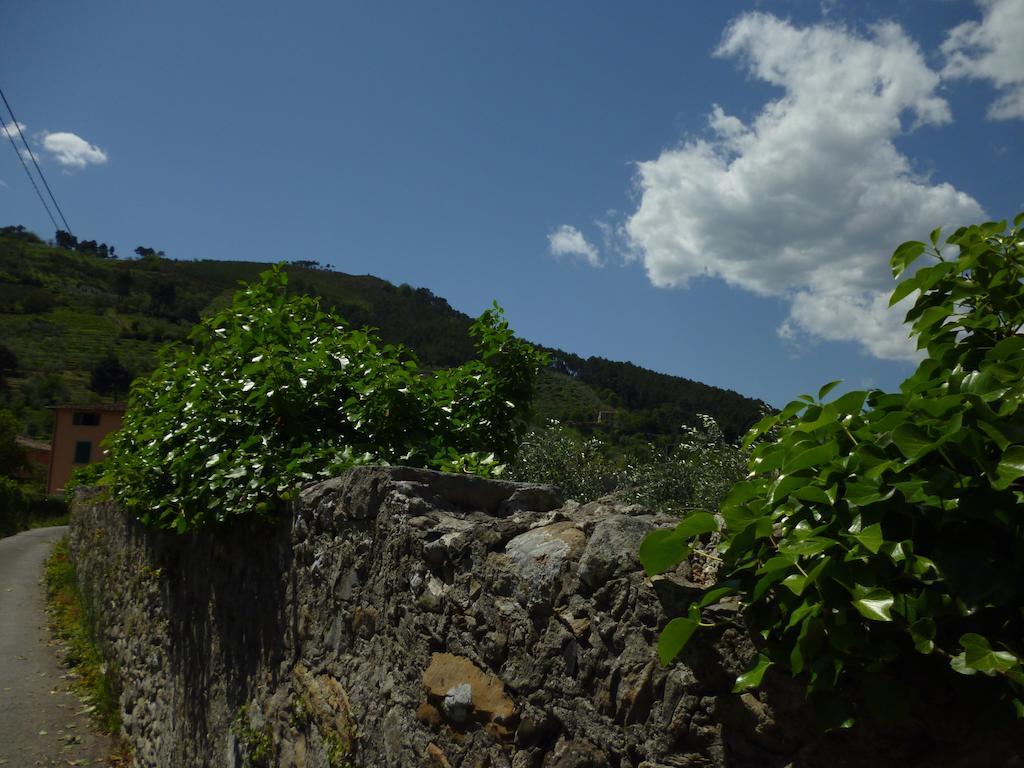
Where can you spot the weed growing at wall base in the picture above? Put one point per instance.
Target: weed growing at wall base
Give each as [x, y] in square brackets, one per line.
[879, 526]
[94, 683]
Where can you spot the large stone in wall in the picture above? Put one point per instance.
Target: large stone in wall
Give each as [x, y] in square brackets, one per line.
[402, 617]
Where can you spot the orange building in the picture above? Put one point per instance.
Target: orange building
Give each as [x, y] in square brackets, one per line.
[77, 431]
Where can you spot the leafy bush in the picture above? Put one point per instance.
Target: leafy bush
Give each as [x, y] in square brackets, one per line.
[272, 392]
[878, 524]
[580, 467]
[696, 472]
[12, 456]
[14, 506]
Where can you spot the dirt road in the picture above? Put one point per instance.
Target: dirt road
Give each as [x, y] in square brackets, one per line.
[41, 722]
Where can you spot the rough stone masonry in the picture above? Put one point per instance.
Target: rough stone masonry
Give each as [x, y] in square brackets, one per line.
[403, 617]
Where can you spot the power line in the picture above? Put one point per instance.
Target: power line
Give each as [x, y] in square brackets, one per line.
[31, 154]
[29, 174]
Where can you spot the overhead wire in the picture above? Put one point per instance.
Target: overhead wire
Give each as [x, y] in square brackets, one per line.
[35, 186]
[32, 156]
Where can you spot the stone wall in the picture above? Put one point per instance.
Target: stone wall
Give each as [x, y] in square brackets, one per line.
[403, 617]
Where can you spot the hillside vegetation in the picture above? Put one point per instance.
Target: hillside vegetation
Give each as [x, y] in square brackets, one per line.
[63, 312]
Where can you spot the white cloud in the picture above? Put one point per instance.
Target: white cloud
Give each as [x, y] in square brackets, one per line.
[73, 151]
[11, 129]
[832, 315]
[808, 200]
[992, 49]
[569, 241]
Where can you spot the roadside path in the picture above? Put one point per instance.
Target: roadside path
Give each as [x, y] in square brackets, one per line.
[41, 721]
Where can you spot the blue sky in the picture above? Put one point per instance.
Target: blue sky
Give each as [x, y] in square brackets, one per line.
[706, 189]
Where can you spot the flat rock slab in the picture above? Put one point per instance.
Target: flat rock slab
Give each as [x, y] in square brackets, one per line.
[41, 722]
[450, 676]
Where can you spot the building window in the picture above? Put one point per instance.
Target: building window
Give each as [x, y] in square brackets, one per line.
[83, 451]
[85, 419]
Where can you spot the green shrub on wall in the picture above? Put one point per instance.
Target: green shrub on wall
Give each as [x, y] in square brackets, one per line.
[272, 392]
[696, 472]
[880, 525]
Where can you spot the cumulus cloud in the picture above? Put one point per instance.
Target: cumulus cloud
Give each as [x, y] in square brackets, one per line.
[807, 200]
[569, 241]
[992, 49]
[72, 151]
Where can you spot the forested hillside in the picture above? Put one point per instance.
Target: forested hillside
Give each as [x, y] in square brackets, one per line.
[77, 323]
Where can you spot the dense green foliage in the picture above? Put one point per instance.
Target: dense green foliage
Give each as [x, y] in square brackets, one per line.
[14, 495]
[12, 455]
[696, 472]
[110, 377]
[8, 366]
[582, 467]
[880, 525]
[271, 392]
[62, 310]
[14, 506]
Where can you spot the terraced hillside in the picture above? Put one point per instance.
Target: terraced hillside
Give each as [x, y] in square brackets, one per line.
[62, 311]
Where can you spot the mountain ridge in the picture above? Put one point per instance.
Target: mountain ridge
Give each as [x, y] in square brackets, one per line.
[63, 310]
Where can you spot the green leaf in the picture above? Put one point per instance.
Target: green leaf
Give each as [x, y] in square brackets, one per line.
[933, 315]
[905, 255]
[741, 492]
[912, 441]
[850, 402]
[959, 664]
[812, 457]
[760, 428]
[752, 677]
[766, 582]
[795, 583]
[784, 486]
[662, 549]
[870, 538]
[674, 637]
[1010, 467]
[828, 388]
[697, 523]
[793, 408]
[903, 290]
[923, 633]
[995, 433]
[804, 610]
[1006, 349]
[715, 594]
[776, 563]
[873, 604]
[981, 383]
[935, 235]
[806, 547]
[979, 655]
